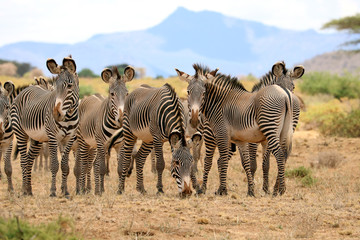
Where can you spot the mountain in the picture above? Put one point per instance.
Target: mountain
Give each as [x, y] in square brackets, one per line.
[234, 45]
[334, 62]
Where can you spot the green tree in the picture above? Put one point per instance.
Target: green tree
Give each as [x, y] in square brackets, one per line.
[87, 73]
[350, 24]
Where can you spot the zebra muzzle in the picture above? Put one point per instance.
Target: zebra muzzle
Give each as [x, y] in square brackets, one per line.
[186, 190]
[58, 115]
[194, 120]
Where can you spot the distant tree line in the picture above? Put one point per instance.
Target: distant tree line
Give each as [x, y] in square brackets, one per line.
[19, 70]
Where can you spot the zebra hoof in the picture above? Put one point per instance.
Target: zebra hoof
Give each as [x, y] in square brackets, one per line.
[160, 192]
[221, 192]
[250, 194]
[119, 192]
[200, 191]
[52, 194]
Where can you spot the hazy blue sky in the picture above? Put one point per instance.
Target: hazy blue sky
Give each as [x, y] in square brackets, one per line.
[70, 21]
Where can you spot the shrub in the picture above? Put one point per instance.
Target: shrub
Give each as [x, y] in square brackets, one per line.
[8, 69]
[87, 73]
[299, 172]
[86, 90]
[303, 174]
[347, 85]
[329, 159]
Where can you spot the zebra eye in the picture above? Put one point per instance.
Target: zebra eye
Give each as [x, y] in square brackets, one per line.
[177, 162]
[188, 92]
[112, 94]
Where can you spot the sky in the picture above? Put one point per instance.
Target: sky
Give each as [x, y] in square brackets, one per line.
[72, 21]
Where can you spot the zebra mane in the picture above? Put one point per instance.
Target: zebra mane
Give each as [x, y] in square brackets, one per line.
[180, 110]
[226, 82]
[200, 70]
[266, 80]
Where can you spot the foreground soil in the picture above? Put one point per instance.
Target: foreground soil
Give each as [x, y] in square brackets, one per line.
[329, 209]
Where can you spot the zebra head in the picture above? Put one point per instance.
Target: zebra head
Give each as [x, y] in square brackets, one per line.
[181, 164]
[5, 105]
[285, 78]
[117, 90]
[66, 86]
[195, 91]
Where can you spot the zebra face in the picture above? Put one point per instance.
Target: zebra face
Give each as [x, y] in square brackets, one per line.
[117, 90]
[195, 91]
[5, 105]
[66, 87]
[284, 77]
[181, 165]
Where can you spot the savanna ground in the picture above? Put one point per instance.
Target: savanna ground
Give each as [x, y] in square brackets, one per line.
[326, 209]
[330, 209]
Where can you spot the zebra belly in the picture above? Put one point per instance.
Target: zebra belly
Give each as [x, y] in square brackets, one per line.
[143, 134]
[253, 135]
[38, 135]
[91, 142]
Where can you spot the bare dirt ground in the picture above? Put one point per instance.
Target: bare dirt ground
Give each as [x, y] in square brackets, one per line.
[328, 210]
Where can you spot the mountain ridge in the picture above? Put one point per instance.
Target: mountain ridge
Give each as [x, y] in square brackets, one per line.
[236, 46]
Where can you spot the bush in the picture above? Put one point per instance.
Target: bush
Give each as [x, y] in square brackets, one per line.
[347, 85]
[346, 125]
[329, 159]
[86, 90]
[87, 73]
[18, 229]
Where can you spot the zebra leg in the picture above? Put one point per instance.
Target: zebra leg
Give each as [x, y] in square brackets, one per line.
[125, 155]
[33, 152]
[133, 156]
[153, 161]
[160, 164]
[77, 171]
[46, 155]
[140, 159]
[266, 167]
[102, 170]
[8, 167]
[40, 157]
[223, 161]
[65, 166]
[210, 146]
[54, 164]
[252, 154]
[280, 160]
[245, 160]
[36, 160]
[88, 164]
[22, 140]
[196, 142]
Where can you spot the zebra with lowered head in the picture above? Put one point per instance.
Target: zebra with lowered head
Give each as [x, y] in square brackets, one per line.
[155, 115]
[49, 116]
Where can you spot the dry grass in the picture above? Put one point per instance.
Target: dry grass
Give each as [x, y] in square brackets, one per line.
[328, 210]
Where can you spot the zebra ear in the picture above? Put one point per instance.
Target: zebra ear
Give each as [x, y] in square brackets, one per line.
[9, 87]
[37, 81]
[278, 69]
[69, 63]
[129, 72]
[213, 73]
[298, 71]
[52, 66]
[175, 140]
[106, 75]
[183, 76]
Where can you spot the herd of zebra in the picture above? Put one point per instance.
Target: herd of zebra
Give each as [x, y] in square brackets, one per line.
[220, 112]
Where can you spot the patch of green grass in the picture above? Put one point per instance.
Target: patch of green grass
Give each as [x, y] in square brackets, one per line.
[15, 228]
[303, 174]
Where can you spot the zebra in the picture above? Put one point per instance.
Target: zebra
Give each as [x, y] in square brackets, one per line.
[155, 115]
[285, 81]
[236, 115]
[6, 133]
[47, 116]
[195, 93]
[99, 119]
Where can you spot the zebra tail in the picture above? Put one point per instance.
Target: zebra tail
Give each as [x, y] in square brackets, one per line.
[16, 151]
[287, 130]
